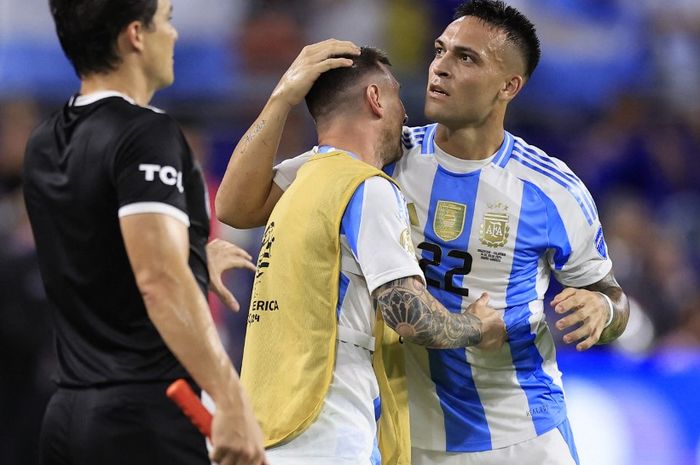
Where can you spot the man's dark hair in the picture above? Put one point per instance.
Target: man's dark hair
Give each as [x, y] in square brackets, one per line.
[328, 92]
[519, 30]
[88, 29]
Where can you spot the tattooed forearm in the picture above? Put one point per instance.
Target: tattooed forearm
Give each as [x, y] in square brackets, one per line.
[250, 135]
[609, 286]
[412, 312]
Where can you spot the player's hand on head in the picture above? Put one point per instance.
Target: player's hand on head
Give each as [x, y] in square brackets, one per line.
[236, 436]
[493, 329]
[313, 60]
[582, 307]
[221, 257]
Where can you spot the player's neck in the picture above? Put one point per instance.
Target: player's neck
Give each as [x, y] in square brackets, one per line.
[351, 138]
[129, 83]
[470, 143]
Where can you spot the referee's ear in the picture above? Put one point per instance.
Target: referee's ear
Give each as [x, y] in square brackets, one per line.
[511, 87]
[131, 39]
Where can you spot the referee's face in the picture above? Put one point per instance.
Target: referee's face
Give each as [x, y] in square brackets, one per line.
[472, 65]
[160, 46]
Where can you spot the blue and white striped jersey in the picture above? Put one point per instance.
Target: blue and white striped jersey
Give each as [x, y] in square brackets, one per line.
[502, 226]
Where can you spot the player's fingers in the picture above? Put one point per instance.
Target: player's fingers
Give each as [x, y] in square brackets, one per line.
[244, 253]
[224, 294]
[261, 460]
[312, 48]
[479, 305]
[217, 454]
[215, 283]
[332, 63]
[565, 294]
[589, 342]
[324, 62]
[236, 251]
[578, 334]
[562, 297]
[227, 456]
[228, 298]
[240, 262]
[573, 302]
[342, 43]
[232, 460]
[316, 53]
[570, 320]
[250, 456]
[332, 47]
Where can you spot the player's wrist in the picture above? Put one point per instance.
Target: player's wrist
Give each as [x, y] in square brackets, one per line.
[281, 101]
[611, 309]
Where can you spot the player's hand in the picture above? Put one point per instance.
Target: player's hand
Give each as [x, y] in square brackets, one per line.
[309, 65]
[236, 436]
[223, 256]
[588, 308]
[493, 329]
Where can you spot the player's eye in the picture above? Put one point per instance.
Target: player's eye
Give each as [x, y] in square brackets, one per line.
[439, 51]
[466, 59]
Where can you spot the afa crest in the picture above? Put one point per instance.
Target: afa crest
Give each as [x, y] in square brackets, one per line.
[448, 223]
[494, 228]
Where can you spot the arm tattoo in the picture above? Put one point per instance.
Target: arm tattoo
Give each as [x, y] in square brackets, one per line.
[250, 135]
[412, 312]
[621, 307]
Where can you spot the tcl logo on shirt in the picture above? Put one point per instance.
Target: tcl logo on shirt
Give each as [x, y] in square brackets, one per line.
[167, 174]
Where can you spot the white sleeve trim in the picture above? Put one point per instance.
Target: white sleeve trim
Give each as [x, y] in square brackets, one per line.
[393, 275]
[154, 207]
[586, 277]
[282, 180]
[285, 172]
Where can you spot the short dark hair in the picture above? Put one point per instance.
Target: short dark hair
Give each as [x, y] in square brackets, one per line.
[328, 91]
[88, 29]
[519, 30]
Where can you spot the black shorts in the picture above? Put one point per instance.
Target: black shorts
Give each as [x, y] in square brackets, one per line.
[134, 424]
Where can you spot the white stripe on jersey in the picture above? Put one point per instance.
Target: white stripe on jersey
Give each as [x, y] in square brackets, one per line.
[154, 207]
[574, 205]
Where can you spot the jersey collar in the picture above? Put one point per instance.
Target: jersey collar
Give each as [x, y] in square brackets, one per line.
[503, 154]
[87, 99]
[330, 148]
[500, 158]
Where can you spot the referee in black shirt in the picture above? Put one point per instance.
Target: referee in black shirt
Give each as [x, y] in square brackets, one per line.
[118, 209]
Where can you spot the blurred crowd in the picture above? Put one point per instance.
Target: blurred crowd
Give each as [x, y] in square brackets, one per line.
[614, 97]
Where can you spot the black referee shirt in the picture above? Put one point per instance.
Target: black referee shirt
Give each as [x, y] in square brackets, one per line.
[99, 158]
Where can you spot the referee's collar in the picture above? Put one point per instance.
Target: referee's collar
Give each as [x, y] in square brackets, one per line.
[87, 99]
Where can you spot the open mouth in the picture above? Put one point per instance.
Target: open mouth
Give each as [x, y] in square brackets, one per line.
[437, 90]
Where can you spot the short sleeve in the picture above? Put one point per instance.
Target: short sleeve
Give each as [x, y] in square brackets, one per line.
[578, 255]
[377, 228]
[286, 171]
[148, 168]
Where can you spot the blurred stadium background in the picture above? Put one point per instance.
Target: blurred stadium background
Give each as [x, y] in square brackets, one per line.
[615, 96]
